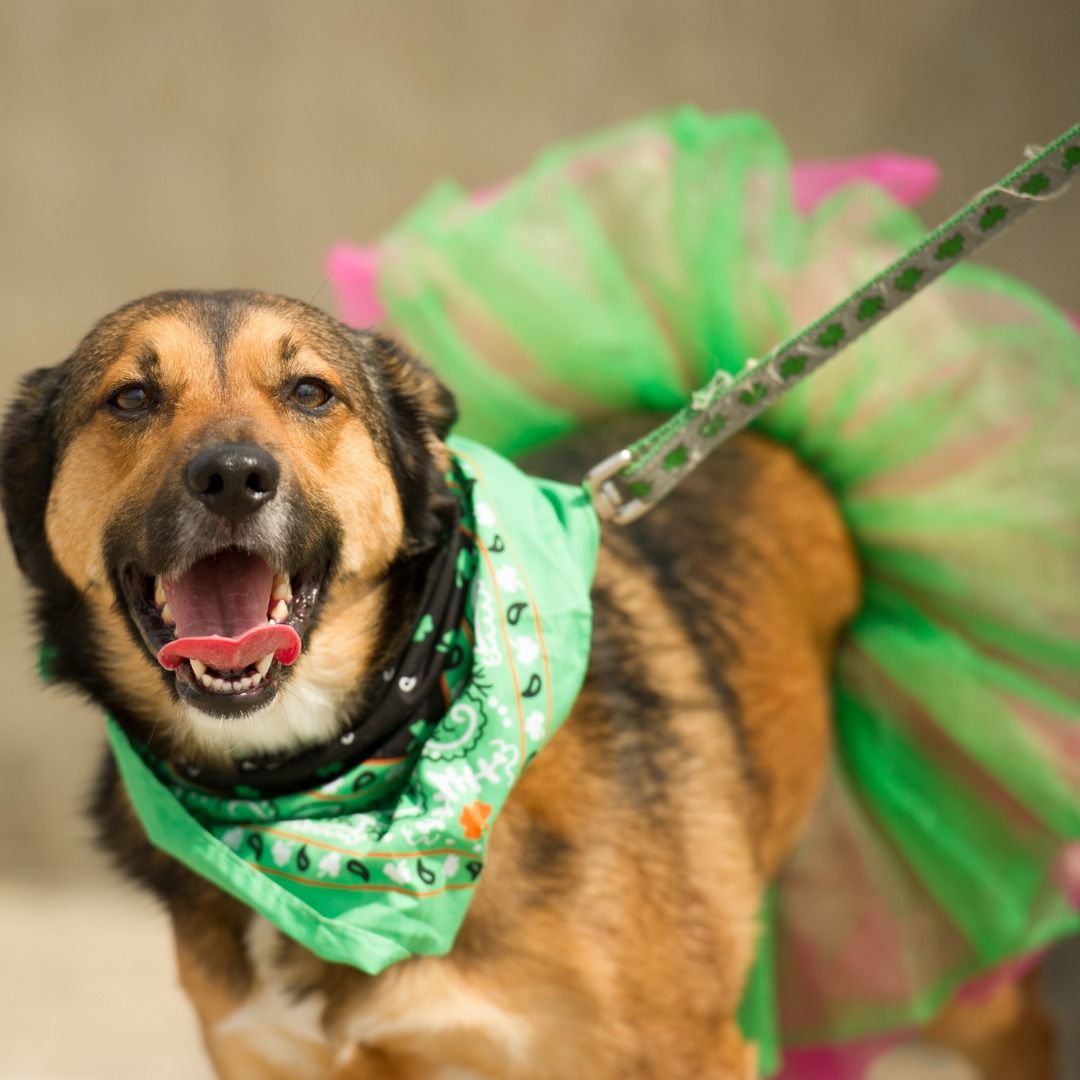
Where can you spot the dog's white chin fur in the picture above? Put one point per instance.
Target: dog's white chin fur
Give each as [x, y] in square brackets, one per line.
[301, 714]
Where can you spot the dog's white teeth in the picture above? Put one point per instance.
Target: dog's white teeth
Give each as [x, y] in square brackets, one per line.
[159, 594]
[282, 589]
[167, 616]
[280, 595]
[220, 685]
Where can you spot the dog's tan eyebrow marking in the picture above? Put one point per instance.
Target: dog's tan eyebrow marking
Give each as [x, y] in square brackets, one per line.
[149, 363]
[143, 366]
[289, 348]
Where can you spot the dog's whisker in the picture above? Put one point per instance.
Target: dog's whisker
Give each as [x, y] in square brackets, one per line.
[312, 299]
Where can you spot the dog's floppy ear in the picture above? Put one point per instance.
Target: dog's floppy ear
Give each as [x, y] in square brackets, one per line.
[27, 458]
[421, 412]
[421, 388]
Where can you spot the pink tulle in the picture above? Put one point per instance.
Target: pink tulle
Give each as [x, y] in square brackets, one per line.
[907, 179]
[354, 271]
[1017, 968]
[354, 276]
[849, 1062]
[1069, 868]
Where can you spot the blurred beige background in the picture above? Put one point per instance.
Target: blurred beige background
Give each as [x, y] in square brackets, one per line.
[146, 145]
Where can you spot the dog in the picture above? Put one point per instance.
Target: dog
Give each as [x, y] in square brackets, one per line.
[613, 930]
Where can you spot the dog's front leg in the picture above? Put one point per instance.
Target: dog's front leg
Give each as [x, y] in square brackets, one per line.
[244, 1031]
[358, 1063]
[1007, 1033]
[733, 1058]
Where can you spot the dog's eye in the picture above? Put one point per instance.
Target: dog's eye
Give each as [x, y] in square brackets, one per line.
[310, 394]
[132, 399]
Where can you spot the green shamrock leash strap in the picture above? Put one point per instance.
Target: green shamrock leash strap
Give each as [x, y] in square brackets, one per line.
[629, 483]
[379, 863]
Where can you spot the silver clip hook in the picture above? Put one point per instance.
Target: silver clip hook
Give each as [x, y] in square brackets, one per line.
[607, 500]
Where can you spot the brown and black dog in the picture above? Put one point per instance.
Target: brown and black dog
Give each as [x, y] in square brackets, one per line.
[188, 425]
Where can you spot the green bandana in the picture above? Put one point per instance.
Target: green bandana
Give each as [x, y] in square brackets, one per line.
[379, 863]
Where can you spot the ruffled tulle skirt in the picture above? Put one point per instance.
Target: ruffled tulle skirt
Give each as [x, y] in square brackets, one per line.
[618, 273]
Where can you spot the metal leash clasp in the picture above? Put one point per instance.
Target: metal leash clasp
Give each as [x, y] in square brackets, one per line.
[607, 499]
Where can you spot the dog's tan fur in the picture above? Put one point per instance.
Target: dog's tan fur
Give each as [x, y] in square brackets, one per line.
[614, 927]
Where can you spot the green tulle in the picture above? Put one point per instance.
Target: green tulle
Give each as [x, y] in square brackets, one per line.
[618, 273]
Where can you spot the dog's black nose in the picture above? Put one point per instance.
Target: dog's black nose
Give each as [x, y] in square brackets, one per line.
[232, 479]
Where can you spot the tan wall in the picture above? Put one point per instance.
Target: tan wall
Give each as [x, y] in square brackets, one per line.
[145, 145]
[230, 142]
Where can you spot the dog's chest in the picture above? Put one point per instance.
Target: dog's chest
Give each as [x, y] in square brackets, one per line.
[420, 1011]
[274, 1031]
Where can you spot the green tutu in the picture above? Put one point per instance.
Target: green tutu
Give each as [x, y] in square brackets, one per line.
[619, 273]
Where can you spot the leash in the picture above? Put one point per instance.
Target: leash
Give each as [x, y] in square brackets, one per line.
[629, 483]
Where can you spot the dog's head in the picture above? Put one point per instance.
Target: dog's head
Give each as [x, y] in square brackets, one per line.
[211, 498]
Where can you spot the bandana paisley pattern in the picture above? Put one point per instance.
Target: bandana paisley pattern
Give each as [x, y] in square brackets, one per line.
[379, 863]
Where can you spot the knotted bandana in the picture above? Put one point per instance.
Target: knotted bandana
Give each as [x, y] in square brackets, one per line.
[379, 861]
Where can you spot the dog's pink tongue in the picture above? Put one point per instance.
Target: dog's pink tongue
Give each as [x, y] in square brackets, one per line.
[233, 653]
[220, 608]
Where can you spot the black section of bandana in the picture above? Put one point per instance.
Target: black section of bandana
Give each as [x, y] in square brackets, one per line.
[410, 691]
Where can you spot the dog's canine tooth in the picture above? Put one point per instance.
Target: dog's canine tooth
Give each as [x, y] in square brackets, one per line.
[256, 679]
[167, 616]
[281, 592]
[280, 611]
[197, 666]
[159, 594]
[281, 579]
[263, 665]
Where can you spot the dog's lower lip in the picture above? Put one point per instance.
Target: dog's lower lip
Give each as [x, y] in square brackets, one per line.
[228, 703]
[226, 700]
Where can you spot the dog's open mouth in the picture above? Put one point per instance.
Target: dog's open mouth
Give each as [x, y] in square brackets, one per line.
[229, 626]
